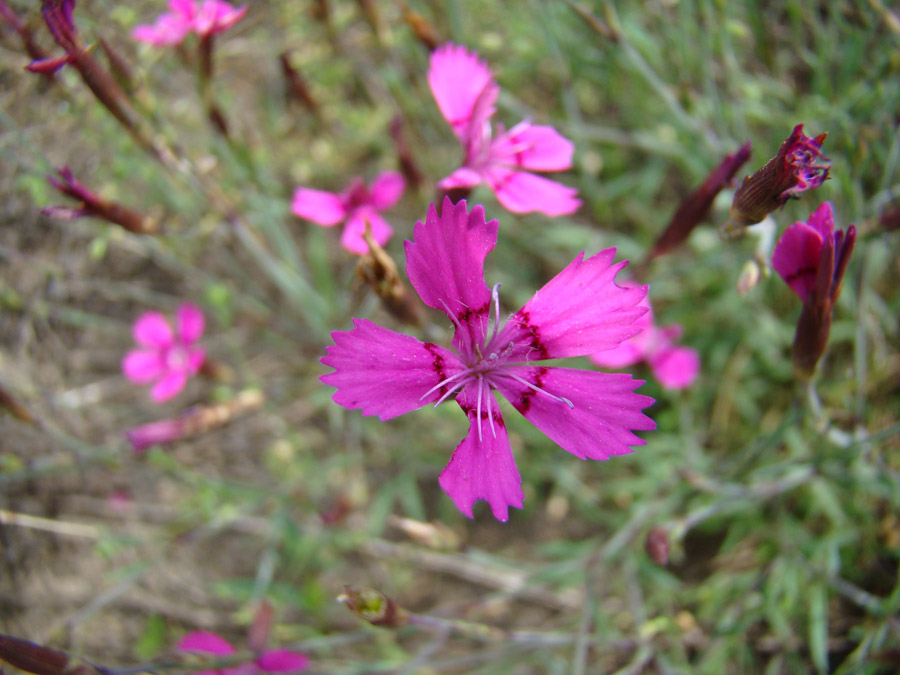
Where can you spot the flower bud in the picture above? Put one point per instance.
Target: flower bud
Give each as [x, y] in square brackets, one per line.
[657, 545]
[380, 272]
[694, 208]
[94, 206]
[799, 166]
[373, 606]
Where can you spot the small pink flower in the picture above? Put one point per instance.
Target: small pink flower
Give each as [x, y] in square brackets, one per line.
[356, 206]
[167, 357]
[674, 367]
[268, 661]
[170, 28]
[465, 91]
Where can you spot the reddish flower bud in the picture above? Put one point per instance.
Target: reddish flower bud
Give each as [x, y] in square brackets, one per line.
[799, 166]
[94, 206]
[657, 545]
[194, 421]
[695, 207]
[33, 49]
[295, 84]
[812, 257]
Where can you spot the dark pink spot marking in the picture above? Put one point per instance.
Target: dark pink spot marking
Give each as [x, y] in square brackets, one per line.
[534, 333]
[523, 405]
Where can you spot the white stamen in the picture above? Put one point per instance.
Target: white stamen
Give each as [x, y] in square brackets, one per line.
[495, 295]
[448, 380]
[561, 399]
[478, 406]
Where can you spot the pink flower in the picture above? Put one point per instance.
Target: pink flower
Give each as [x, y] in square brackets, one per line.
[465, 91]
[170, 28]
[356, 206]
[674, 367]
[268, 661]
[812, 257]
[579, 312]
[166, 357]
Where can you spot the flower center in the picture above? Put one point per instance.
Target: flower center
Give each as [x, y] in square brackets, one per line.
[177, 358]
[484, 361]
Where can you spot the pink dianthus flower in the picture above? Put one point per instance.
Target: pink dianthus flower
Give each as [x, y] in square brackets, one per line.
[465, 91]
[185, 16]
[673, 366]
[268, 661]
[356, 206]
[579, 312]
[812, 257]
[165, 356]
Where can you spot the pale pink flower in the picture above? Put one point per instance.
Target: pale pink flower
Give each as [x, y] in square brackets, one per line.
[579, 312]
[268, 660]
[465, 91]
[165, 356]
[185, 16]
[673, 367]
[356, 206]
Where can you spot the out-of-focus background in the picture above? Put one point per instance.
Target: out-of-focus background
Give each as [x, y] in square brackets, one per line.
[779, 509]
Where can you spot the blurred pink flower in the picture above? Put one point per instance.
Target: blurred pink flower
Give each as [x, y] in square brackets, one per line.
[210, 18]
[465, 91]
[674, 367]
[357, 206]
[812, 257]
[578, 312]
[166, 356]
[268, 661]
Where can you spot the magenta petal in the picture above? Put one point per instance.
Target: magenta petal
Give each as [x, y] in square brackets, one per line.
[626, 354]
[457, 78]
[604, 408]
[216, 16]
[204, 641]
[385, 373]
[352, 239]
[796, 258]
[185, 9]
[169, 386]
[142, 366]
[169, 29]
[282, 661]
[322, 208]
[153, 330]
[153, 433]
[189, 323]
[386, 190]
[483, 468]
[536, 148]
[463, 177]
[196, 357]
[523, 192]
[445, 263]
[578, 312]
[676, 367]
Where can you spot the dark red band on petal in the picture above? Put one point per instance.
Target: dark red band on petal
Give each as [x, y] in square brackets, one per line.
[523, 319]
[468, 314]
[524, 402]
[485, 413]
